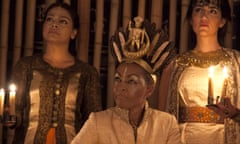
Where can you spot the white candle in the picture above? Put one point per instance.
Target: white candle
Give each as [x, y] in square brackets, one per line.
[210, 85]
[225, 76]
[12, 95]
[2, 95]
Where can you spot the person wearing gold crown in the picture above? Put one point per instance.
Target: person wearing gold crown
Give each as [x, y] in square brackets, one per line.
[132, 121]
[205, 103]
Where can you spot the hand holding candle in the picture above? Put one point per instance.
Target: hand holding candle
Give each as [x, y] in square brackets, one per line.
[12, 95]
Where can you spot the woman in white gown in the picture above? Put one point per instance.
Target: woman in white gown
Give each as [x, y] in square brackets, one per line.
[190, 88]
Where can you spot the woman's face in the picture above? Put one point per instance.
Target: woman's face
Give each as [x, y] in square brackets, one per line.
[58, 26]
[206, 20]
[130, 88]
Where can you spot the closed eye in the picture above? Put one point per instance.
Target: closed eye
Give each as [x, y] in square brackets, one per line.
[132, 82]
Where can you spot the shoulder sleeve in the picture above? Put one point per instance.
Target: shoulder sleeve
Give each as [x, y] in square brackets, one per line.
[174, 132]
[88, 134]
[236, 59]
[20, 76]
[163, 87]
[91, 93]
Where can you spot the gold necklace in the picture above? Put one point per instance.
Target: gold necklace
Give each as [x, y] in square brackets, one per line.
[204, 60]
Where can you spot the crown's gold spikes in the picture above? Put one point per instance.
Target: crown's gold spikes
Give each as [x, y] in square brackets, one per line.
[137, 54]
[161, 60]
[159, 51]
[143, 44]
[153, 44]
[122, 39]
[117, 52]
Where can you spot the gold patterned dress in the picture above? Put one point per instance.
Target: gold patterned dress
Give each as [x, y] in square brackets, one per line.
[52, 98]
[188, 96]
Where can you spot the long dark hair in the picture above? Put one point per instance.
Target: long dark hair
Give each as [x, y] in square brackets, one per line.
[74, 17]
[225, 9]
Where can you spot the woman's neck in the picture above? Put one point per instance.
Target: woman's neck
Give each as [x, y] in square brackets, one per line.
[207, 44]
[58, 57]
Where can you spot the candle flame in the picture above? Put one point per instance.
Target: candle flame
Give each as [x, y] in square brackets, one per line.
[12, 88]
[2, 93]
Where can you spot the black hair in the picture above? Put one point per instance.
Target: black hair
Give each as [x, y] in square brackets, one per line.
[74, 17]
[69, 9]
[225, 9]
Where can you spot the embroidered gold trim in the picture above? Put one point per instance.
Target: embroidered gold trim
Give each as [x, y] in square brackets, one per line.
[203, 60]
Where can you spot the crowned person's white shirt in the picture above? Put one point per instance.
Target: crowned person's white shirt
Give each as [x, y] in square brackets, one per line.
[112, 127]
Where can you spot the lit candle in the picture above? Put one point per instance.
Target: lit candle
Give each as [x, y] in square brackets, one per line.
[225, 76]
[12, 94]
[210, 85]
[2, 94]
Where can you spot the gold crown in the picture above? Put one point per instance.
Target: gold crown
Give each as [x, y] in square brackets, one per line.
[143, 44]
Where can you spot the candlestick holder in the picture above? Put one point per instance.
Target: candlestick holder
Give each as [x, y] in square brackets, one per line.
[6, 119]
[210, 100]
[7, 106]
